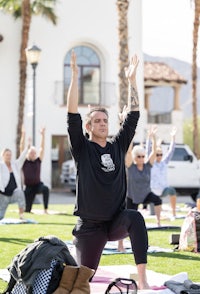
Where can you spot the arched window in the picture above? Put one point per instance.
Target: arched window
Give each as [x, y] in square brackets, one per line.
[89, 75]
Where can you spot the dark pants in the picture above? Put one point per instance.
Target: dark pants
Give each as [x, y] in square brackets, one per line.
[151, 198]
[30, 193]
[91, 237]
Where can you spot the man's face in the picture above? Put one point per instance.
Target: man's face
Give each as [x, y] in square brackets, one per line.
[98, 125]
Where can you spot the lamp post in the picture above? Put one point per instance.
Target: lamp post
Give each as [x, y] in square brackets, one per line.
[33, 56]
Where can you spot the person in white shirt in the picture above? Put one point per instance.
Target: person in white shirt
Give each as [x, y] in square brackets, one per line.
[159, 182]
[10, 182]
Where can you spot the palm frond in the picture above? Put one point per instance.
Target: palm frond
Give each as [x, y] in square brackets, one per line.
[11, 6]
[38, 7]
[45, 8]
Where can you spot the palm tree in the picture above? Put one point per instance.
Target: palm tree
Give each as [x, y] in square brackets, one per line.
[122, 8]
[194, 78]
[24, 9]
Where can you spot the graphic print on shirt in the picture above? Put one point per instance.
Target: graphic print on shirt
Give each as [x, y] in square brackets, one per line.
[107, 163]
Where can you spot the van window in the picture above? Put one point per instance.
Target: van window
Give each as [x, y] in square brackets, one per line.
[180, 154]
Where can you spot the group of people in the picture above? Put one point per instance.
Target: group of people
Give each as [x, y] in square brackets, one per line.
[22, 172]
[147, 176]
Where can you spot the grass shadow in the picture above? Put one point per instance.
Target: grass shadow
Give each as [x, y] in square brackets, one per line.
[176, 255]
[18, 241]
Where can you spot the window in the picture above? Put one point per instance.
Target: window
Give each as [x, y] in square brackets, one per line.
[89, 75]
[180, 154]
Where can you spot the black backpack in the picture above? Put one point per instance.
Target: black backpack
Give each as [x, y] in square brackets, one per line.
[38, 267]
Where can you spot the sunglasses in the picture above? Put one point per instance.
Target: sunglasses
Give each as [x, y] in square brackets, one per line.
[160, 154]
[140, 156]
[122, 285]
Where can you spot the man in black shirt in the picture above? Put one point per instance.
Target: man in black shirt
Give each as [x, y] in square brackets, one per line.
[101, 179]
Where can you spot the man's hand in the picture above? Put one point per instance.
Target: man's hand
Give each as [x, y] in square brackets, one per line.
[73, 64]
[131, 70]
[123, 114]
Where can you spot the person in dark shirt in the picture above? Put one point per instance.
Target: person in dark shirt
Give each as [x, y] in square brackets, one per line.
[101, 179]
[31, 171]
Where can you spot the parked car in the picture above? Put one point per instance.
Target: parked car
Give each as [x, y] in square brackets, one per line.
[183, 171]
[68, 174]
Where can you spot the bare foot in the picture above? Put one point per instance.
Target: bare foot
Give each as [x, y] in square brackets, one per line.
[46, 211]
[121, 249]
[143, 285]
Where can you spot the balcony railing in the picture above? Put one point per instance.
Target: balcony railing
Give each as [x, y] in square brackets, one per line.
[161, 118]
[104, 93]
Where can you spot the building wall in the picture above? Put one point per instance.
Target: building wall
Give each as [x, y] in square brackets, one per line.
[94, 23]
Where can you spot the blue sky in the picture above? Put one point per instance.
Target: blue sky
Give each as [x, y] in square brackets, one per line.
[168, 28]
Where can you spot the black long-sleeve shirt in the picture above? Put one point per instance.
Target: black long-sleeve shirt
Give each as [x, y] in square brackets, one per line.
[101, 175]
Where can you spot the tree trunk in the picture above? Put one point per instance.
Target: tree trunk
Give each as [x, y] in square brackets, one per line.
[194, 79]
[122, 7]
[26, 20]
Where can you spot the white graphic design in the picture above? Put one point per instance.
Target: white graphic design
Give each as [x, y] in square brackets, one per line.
[107, 162]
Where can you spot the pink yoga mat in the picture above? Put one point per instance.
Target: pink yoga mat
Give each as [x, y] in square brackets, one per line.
[101, 281]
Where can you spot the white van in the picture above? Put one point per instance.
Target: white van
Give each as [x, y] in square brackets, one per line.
[183, 170]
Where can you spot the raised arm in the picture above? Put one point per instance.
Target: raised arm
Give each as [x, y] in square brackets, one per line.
[152, 137]
[170, 151]
[128, 157]
[130, 72]
[41, 151]
[173, 134]
[23, 152]
[72, 97]
[22, 140]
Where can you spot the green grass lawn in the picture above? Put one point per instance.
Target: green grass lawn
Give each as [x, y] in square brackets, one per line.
[14, 238]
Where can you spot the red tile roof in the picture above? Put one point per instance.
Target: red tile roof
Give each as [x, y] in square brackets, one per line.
[159, 71]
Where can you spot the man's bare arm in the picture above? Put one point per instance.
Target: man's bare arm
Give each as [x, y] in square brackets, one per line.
[130, 72]
[72, 97]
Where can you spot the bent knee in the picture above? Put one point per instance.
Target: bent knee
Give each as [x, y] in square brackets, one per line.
[134, 214]
[158, 202]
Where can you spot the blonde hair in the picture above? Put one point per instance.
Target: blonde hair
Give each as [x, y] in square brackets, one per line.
[158, 149]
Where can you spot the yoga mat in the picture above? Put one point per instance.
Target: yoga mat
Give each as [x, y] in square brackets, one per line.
[16, 221]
